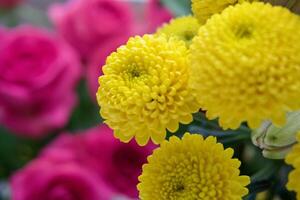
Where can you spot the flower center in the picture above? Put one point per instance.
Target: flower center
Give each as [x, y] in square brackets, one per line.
[243, 31]
[135, 73]
[61, 192]
[188, 36]
[179, 187]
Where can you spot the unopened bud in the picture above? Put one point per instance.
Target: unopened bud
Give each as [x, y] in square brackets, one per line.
[276, 142]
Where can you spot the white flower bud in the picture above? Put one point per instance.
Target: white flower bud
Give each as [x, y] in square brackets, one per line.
[276, 142]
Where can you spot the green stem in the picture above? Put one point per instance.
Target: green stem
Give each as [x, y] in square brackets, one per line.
[267, 172]
[263, 179]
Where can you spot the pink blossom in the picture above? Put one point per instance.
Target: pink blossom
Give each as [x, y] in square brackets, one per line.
[117, 164]
[97, 60]
[38, 75]
[157, 14]
[87, 23]
[45, 179]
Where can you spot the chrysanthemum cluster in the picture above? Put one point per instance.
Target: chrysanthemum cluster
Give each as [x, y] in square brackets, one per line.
[145, 89]
[183, 28]
[192, 168]
[246, 63]
[236, 60]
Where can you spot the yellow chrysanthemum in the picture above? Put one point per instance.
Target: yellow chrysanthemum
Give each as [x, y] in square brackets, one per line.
[293, 158]
[192, 169]
[246, 65]
[184, 28]
[204, 9]
[145, 89]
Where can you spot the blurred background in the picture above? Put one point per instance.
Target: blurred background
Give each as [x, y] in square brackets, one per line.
[53, 144]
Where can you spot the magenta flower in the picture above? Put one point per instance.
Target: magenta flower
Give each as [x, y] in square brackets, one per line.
[87, 23]
[97, 60]
[157, 14]
[49, 180]
[38, 75]
[117, 164]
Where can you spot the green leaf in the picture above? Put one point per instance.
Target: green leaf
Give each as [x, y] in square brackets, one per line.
[86, 114]
[179, 7]
[15, 152]
[211, 127]
[9, 17]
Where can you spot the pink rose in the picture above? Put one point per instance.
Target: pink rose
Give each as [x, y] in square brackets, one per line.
[157, 14]
[48, 180]
[9, 3]
[97, 60]
[87, 23]
[117, 164]
[38, 75]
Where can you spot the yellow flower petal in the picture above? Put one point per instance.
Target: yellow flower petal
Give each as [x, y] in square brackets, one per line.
[146, 87]
[246, 66]
[192, 168]
[293, 158]
[204, 9]
[184, 28]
